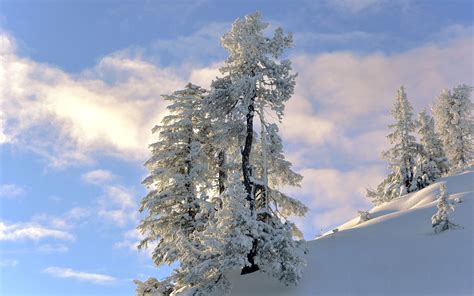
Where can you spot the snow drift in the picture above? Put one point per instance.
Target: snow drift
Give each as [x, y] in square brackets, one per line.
[394, 253]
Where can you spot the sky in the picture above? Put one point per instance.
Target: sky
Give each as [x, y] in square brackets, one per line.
[80, 86]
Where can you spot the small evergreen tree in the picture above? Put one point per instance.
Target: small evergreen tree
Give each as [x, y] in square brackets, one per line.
[404, 174]
[432, 162]
[440, 220]
[364, 216]
[454, 124]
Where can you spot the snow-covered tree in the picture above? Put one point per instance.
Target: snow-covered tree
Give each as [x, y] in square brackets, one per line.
[255, 82]
[431, 161]
[226, 241]
[176, 204]
[404, 174]
[215, 203]
[153, 287]
[364, 216]
[454, 124]
[440, 220]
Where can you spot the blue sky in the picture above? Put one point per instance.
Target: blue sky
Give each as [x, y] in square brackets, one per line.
[80, 85]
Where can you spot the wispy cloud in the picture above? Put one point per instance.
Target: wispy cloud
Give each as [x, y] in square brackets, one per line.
[340, 40]
[31, 231]
[98, 177]
[118, 204]
[202, 45]
[334, 196]
[130, 241]
[8, 262]
[67, 220]
[11, 191]
[356, 6]
[80, 275]
[53, 248]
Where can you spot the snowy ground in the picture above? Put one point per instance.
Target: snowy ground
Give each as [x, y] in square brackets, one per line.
[395, 253]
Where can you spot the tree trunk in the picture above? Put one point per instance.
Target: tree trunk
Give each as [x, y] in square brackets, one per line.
[246, 167]
[248, 184]
[222, 173]
[250, 257]
[192, 210]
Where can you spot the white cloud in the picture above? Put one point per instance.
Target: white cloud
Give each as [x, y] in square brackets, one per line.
[98, 177]
[80, 275]
[342, 100]
[77, 213]
[120, 196]
[110, 108]
[204, 76]
[301, 124]
[130, 240]
[49, 248]
[201, 45]
[11, 191]
[3, 136]
[8, 262]
[345, 38]
[31, 231]
[338, 115]
[7, 44]
[332, 217]
[345, 86]
[332, 188]
[334, 196]
[67, 220]
[356, 6]
[118, 205]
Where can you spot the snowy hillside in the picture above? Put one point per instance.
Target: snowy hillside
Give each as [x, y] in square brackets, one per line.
[395, 253]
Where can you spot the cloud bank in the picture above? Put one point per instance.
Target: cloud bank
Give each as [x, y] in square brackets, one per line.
[335, 124]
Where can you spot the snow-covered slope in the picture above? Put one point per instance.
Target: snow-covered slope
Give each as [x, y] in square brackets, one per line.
[395, 253]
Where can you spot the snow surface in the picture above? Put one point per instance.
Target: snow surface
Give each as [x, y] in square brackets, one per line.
[394, 253]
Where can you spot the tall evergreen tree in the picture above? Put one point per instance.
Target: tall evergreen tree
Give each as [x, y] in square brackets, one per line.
[255, 82]
[404, 174]
[176, 204]
[454, 124]
[432, 162]
[215, 203]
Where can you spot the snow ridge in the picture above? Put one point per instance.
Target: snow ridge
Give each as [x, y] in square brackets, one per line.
[394, 253]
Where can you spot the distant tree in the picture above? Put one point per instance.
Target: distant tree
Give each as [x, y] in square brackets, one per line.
[454, 124]
[364, 216]
[431, 161]
[402, 156]
[440, 221]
